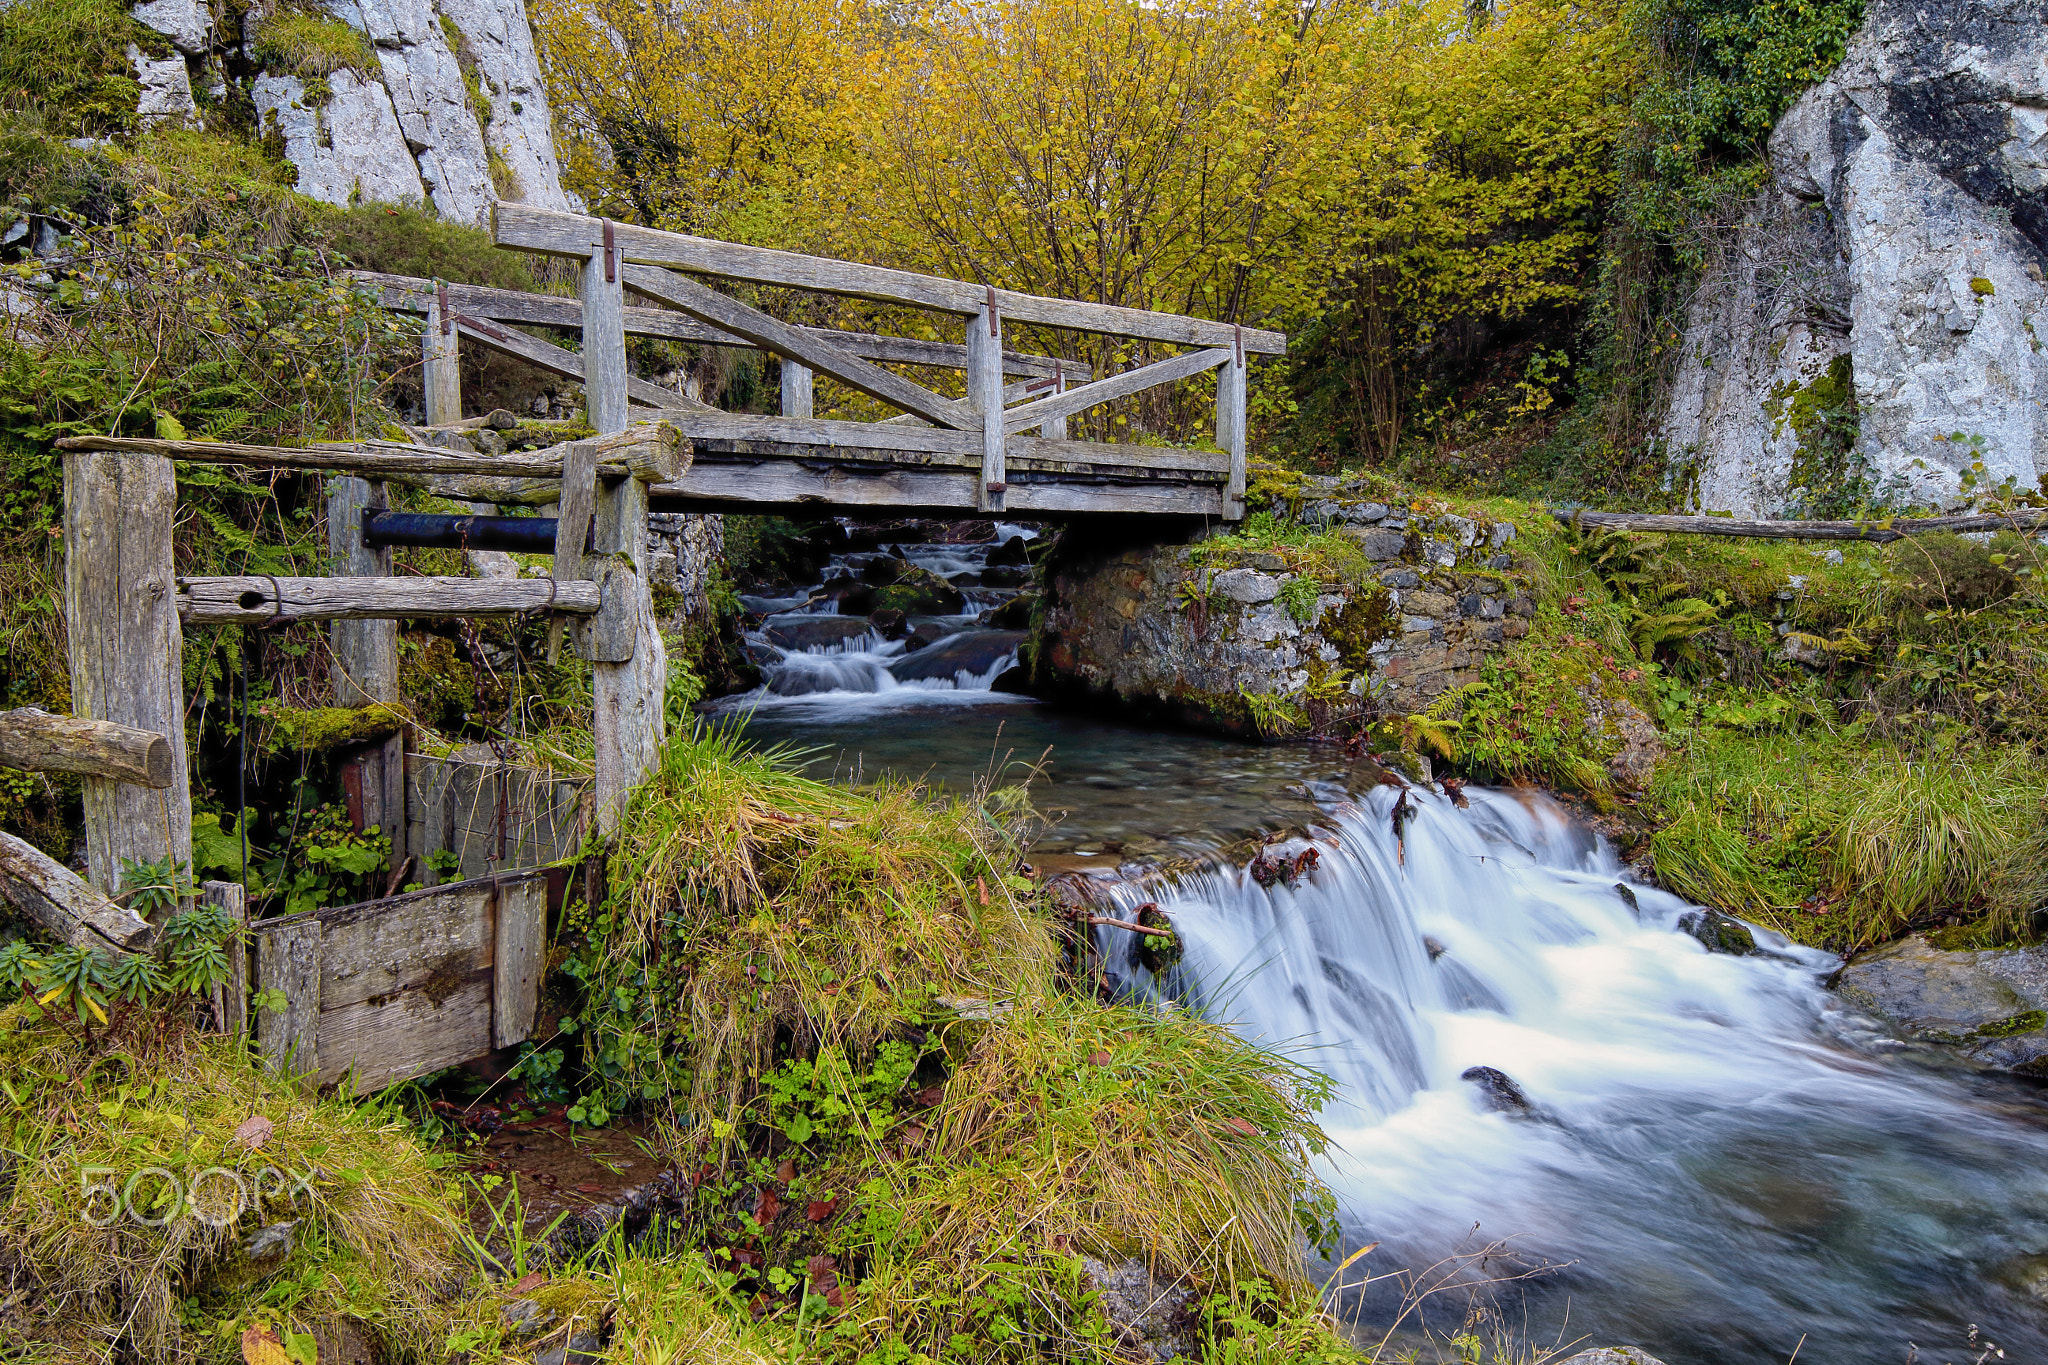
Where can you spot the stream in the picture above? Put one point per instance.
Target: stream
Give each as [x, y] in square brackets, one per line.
[1717, 1162]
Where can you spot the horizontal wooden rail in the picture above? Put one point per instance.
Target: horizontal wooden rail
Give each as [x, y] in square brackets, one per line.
[574, 235]
[62, 902]
[808, 487]
[1888, 529]
[33, 740]
[263, 600]
[648, 451]
[408, 294]
[816, 438]
[562, 361]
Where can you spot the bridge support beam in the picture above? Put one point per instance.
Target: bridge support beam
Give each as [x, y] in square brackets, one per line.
[441, 362]
[796, 389]
[985, 396]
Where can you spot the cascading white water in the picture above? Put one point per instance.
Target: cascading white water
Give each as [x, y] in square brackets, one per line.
[1717, 1159]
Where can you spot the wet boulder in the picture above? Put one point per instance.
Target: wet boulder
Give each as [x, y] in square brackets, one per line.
[1150, 1319]
[1010, 553]
[1988, 1006]
[1719, 933]
[915, 592]
[807, 632]
[1497, 1090]
[1014, 614]
[997, 576]
[975, 651]
[889, 623]
[1613, 1355]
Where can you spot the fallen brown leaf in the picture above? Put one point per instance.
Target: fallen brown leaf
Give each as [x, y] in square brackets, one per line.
[254, 1131]
[818, 1210]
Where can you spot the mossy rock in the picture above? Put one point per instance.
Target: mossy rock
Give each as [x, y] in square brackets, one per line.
[918, 592]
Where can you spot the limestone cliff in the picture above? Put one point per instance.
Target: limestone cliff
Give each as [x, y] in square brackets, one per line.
[1883, 296]
[445, 106]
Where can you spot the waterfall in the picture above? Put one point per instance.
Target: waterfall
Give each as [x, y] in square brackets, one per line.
[1715, 1159]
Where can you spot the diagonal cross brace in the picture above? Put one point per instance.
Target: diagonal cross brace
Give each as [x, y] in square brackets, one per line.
[566, 363]
[1086, 396]
[795, 343]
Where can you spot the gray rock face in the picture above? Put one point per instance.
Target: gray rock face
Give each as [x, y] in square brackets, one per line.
[166, 86]
[1899, 248]
[1613, 1355]
[1986, 1005]
[350, 149]
[187, 23]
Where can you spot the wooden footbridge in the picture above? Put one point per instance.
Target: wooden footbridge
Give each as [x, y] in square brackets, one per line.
[1001, 448]
[407, 984]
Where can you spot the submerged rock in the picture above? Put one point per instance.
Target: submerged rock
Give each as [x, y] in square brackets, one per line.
[1719, 933]
[1497, 1090]
[1988, 1006]
[804, 632]
[1613, 1355]
[976, 651]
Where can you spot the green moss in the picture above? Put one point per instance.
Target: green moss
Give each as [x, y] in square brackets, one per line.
[1982, 287]
[1822, 415]
[1366, 619]
[307, 45]
[331, 727]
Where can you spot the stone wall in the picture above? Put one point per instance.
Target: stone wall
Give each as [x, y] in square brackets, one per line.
[1884, 293]
[1143, 626]
[452, 113]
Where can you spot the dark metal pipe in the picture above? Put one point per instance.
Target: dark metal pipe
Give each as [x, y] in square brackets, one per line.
[526, 535]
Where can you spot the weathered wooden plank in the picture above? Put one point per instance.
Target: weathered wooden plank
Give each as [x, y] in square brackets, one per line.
[1231, 431]
[519, 961]
[127, 652]
[256, 600]
[880, 440]
[605, 387]
[566, 363]
[552, 232]
[1877, 529]
[985, 394]
[1084, 396]
[440, 368]
[231, 997]
[802, 486]
[628, 686]
[650, 451]
[409, 294]
[288, 961]
[33, 740]
[794, 343]
[426, 941]
[62, 902]
[387, 1039]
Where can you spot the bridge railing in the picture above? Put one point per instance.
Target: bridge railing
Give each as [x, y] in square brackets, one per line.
[923, 458]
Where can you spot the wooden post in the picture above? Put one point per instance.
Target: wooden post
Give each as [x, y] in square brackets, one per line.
[630, 667]
[288, 961]
[441, 373]
[604, 336]
[985, 395]
[127, 649]
[1230, 427]
[796, 389]
[231, 998]
[1055, 428]
[629, 681]
[518, 959]
[365, 669]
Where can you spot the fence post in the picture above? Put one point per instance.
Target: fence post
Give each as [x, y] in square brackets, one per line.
[629, 673]
[441, 356]
[604, 337]
[127, 650]
[231, 997]
[985, 395]
[365, 670]
[796, 389]
[1230, 426]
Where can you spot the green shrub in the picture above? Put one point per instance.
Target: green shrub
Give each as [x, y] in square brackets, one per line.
[408, 240]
